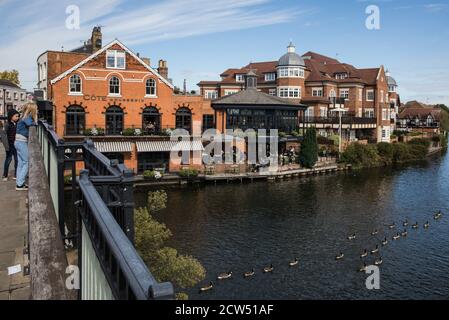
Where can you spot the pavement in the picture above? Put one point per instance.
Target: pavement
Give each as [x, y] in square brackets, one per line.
[13, 238]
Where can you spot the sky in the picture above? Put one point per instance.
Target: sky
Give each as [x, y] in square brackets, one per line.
[202, 38]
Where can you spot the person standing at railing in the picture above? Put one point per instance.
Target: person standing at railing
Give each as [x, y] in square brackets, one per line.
[29, 118]
[8, 136]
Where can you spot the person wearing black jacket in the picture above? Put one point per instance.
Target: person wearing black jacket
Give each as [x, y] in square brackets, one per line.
[8, 136]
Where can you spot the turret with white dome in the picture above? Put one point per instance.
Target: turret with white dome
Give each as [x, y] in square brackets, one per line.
[392, 84]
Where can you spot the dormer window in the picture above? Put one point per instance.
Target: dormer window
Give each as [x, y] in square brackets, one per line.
[115, 59]
[341, 76]
[240, 77]
[270, 76]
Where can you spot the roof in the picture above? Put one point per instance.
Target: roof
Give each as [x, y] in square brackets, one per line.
[7, 83]
[291, 58]
[252, 96]
[391, 81]
[319, 58]
[92, 56]
[421, 113]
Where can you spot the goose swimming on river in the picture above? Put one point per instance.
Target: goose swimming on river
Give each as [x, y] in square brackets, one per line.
[294, 262]
[249, 273]
[426, 225]
[208, 287]
[404, 233]
[364, 254]
[438, 215]
[384, 241]
[397, 236]
[224, 275]
[378, 262]
[376, 250]
[363, 268]
[340, 256]
[405, 223]
[268, 269]
[415, 226]
[351, 237]
[391, 226]
[374, 232]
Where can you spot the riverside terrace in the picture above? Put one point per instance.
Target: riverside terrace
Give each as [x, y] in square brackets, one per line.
[105, 264]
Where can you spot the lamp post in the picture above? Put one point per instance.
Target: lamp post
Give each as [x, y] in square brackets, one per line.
[340, 111]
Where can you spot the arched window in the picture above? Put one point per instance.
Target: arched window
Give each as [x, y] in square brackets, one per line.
[150, 87]
[151, 120]
[184, 119]
[114, 120]
[75, 120]
[75, 84]
[114, 86]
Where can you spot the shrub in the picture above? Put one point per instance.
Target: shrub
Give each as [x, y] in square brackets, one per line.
[420, 141]
[94, 132]
[401, 152]
[129, 132]
[68, 179]
[361, 155]
[187, 173]
[385, 151]
[308, 155]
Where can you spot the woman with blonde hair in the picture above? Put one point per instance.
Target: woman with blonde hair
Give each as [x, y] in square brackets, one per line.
[28, 119]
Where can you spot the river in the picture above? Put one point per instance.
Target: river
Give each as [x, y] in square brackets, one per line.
[237, 227]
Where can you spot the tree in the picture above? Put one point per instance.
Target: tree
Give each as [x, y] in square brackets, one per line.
[11, 75]
[165, 263]
[309, 149]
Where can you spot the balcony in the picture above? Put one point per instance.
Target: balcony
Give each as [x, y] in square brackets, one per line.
[418, 124]
[125, 131]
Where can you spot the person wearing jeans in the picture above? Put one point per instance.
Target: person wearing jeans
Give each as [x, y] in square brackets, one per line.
[8, 136]
[29, 118]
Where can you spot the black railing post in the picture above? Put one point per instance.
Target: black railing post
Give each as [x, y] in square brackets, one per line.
[59, 149]
[128, 202]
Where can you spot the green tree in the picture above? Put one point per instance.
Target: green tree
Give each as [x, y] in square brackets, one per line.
[165, 263]
[309, 149]
[11, 75]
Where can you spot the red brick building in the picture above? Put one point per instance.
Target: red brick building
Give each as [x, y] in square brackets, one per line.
[323, 84]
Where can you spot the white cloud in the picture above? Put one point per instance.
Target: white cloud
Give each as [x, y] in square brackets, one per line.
[30, 33]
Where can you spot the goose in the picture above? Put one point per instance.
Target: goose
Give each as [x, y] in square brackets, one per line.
[340, 256]
[224, 275]
[374, 232]
[426, 225]
[404, 233]
[396, 237]
[376, 250]
[248, 273]
[268, 269]
[363, 268]
[364, 254]
[385, 241]
[415, 226]
[294, 262]
[208, 287]
[438, 215]
[378, 262]
[405, 223]
[391, 226]
[352, 237]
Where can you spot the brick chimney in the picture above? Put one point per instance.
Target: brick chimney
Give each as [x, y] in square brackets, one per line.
[146, 60]
[163, 69]
[96, 39]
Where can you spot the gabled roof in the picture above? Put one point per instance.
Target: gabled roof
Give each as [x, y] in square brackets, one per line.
[319, 58]
[421, 113]
[7, 83]
[89, 58]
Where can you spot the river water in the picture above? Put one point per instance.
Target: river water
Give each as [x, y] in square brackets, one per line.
[237, 227]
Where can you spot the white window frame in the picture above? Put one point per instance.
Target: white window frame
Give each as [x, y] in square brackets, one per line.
[115, 54]
[16, 96]
[317, 92]
[381, 96]
[289, 92]
[368, 92]
[119, 87]
[309, 113]
[341, 76]
[332, 93]
[323, 112]
[369, 113]
[70, 85]
[360, 94]
[228, 92]
[270, 77]
[290, 72]
[272, 92]
[210, 94]
[146, 88]
[8, 94]
[343, 95]
[240, 77]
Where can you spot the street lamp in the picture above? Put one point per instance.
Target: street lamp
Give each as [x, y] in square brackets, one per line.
[340, 111]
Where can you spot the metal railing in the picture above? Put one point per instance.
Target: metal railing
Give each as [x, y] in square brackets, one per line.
[127, 131]
[335, 120]
[102, 196]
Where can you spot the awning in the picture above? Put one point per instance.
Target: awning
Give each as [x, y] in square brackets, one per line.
[167, 146]
[113, 146]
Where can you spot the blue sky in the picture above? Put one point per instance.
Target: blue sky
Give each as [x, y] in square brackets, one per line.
[201, 38]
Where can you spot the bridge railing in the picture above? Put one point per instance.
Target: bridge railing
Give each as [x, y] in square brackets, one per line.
[102, 196]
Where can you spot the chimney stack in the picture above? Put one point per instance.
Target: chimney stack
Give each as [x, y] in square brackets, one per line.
[96, 39]
[146, 60]
[163, 69]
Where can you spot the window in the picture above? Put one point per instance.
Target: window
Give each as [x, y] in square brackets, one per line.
[317, 92]
[151, 120]
[392, 88]
[115, 59]
[114, 86]
[272, 92]
[75, 84]
[344, 93]
[332, 94]
[270, 77]
[16, 96]
[211, 94]
[381, 96]
[290, 72]
[370, 95]
[1, 93]
[22, 96]
[309, 114]
[239, 78]
[8, 95]
[360, 94]
[230, 91]
[341, 76]
[208, 122]
[75, 120]
[289, 92]
[114, 120]
[323, 112]
[150, 87]
[184, 119]
[369, 113]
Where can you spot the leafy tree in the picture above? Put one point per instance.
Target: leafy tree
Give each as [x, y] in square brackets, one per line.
[11, 75]
[309, 149]
[165, 263]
